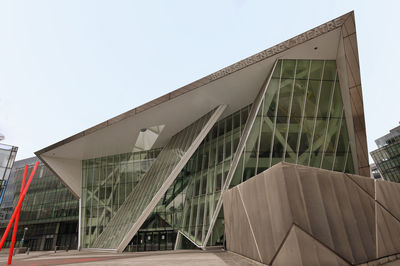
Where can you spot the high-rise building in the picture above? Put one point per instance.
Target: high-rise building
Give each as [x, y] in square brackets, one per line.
[153, 178]
[387, 156]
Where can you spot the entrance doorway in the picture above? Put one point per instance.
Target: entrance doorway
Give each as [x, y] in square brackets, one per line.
[48, 244]
[152, 241]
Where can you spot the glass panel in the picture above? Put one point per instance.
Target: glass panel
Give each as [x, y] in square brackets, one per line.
[222, 149]
[47, 204]
[150, 184]
[387, 158]
[280, 132]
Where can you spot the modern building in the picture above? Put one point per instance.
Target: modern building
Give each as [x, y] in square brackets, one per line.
[387, 156]
[7, 157]
[49, 214]
[7, 203]
[374, 171]
[153, 177]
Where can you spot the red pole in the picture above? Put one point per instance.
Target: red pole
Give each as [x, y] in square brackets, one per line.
[17, 219]
[21, 198]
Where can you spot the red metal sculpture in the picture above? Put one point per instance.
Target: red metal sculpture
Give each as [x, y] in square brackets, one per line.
[17, 219]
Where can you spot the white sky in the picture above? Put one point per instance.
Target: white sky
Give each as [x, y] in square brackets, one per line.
[67, 65]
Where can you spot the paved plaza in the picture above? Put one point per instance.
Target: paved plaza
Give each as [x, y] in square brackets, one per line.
[190, 257]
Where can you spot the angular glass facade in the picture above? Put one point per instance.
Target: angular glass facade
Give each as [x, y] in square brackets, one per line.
[159, 231]
[106, 182]
[209, 168]
[300, 120]
[198, 183]
[161, 174]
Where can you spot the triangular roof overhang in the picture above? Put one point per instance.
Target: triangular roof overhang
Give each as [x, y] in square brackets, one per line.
[236, 86]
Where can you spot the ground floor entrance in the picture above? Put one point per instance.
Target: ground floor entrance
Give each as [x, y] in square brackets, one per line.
[152, 240]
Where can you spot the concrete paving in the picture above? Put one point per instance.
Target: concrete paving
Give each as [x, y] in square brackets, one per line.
[182, 257]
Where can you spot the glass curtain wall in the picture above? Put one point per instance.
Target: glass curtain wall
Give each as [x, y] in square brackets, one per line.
[204, 175]
[48, 205]
[47, 199]
[106, 182]
[301, 121]
[45, 236]
[168, 161]
[7, 157]
[7, 204]
[159, 230]
[208, 170]
[387, 159]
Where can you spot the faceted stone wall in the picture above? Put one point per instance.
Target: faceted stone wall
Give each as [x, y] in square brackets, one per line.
[297, 215]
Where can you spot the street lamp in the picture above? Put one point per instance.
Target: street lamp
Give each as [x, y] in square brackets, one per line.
[23, 236]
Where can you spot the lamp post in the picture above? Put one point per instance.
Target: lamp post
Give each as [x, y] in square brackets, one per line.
[23, 236]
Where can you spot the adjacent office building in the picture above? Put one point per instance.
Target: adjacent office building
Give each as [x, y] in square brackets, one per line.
[7, 157]
[387, 156]
[49, 214]
[153, 178]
